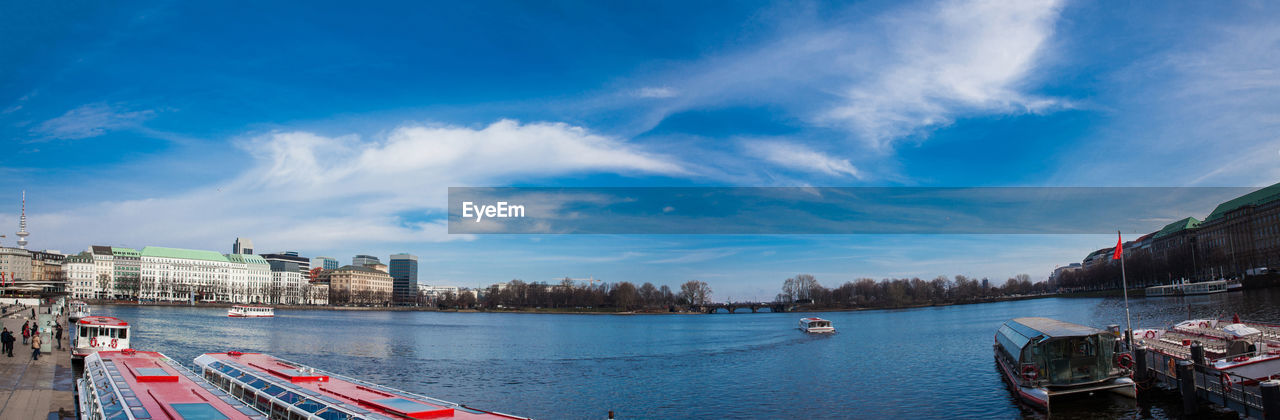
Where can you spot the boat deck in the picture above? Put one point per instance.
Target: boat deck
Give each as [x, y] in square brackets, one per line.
[132, 384]
[282, 386]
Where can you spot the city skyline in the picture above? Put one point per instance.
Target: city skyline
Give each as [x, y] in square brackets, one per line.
[345, 145]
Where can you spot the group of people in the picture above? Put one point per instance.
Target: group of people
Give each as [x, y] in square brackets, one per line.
[30, 335]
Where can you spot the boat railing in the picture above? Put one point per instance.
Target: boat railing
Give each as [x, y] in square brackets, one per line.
[1235, 392]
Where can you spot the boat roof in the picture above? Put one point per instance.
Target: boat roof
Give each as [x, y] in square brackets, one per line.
[146, 384]
[1050, 328]
[811, 319]
[312, 389]
[103, 320]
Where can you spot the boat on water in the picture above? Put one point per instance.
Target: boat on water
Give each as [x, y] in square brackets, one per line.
[132, 384]
[77, 310]
[1045, 359]
[1187, 288]
[285, 389]
[1241, 348]
[99, 333]
[816, 325]
[239, 311]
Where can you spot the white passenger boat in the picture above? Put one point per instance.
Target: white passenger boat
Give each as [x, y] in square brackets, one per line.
[1185, 288]
[1242, 348]
[816, 325]
[1043, 359]
[96, 333]
[250, 312]
[77, 310]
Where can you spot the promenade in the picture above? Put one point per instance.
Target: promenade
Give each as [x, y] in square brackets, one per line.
[31, 389]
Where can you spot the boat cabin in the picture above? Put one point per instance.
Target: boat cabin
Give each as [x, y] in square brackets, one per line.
[1056, 353]
[96, 333]
[816, 325]
[250, 311]
[131, 384]
[288, 390]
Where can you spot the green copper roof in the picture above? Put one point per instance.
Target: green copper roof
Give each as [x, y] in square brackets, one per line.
[1101, 251]
[124, 251]
[1256, 198]
[1178, 226]
[246, 259]
[190, 254]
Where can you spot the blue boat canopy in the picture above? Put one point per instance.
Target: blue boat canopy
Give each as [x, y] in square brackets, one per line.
[1017, 333]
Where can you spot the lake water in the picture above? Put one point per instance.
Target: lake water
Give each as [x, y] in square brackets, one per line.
[927, 362]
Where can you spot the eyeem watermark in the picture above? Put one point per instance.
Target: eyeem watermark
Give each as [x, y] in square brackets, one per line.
[500, 210]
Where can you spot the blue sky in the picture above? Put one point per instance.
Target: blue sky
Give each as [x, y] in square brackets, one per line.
[336, 129]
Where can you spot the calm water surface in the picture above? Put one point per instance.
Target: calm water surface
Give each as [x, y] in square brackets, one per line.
[929, 362]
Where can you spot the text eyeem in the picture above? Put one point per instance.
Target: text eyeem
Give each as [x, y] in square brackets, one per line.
[501, 210]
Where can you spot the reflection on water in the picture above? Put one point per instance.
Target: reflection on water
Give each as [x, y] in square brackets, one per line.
[928, 362]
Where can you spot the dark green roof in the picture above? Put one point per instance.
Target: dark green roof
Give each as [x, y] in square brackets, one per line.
[1178, 226]
[1256, 198]
[1101, 251]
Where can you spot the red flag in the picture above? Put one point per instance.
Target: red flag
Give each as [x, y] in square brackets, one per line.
[1119, 248]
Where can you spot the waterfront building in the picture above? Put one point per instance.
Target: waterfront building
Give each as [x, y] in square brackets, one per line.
[434, 293]
[1241, 234]
[15, 263]
[303, 264]
[286, 279]
[126, 271]
[1057, 272]
[404, 272]
[242, 246]
[327, 263]
[250, 279]
[316, 293]
[81, 274]
[364, 260]
[182, 275]
[352, 284]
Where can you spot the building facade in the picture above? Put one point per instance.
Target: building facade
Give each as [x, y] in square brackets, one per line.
[81, 274]
[15, 263]
[327, 263]
[404, 274]
[363, 260]
[352, 284]
[242, 246]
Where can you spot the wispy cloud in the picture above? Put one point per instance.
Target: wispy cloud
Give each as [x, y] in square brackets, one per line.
[656, 92]
[321, 191]
[89, 120]
[801, 158]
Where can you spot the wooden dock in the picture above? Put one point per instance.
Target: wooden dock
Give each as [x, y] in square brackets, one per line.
[31, 389]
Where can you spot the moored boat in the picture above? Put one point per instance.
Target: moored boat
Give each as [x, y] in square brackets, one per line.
[1241, 348]
[816, 325]
[1186, 288]
[290, 390]
[129, 384]
[77, 310]
[1043, 359]
[239, 311]
[98, 333]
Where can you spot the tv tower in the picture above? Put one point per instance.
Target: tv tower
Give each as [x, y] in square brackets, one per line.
[22, 223]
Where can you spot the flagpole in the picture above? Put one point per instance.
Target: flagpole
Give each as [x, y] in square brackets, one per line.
[1124, 282]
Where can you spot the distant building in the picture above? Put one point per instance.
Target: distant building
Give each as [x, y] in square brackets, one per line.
[104, 278]
[404, 272]
[1057, 272]
[242, 246]
[303, 263]
[15, 263]
[327, 263]
[250, 279]
[126, 271]
[288, 270]
[80, 274]
[182, 275]
[352, 284]
[363, 260]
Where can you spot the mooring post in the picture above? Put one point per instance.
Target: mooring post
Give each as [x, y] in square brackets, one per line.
[1197, 353]
[1270, 399]
[610, 414]
[1140, 356]
[1187, 385]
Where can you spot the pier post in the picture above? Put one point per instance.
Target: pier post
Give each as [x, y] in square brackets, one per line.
[1197, 353]
[1187, 387]
[1140, 364]
[1270, 399]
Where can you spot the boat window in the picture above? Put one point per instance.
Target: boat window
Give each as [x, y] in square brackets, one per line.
[124, 333]
[111, 332]
[84, 331]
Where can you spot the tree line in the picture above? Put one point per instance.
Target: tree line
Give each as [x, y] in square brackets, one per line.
[804, 289]
[621, 296]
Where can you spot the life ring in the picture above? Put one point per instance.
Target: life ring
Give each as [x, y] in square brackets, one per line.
[1029, 372]
[1149, 334]
[113, 343]
[1124, 360]
[1204, 324]
[1226, 382]
[93, 341]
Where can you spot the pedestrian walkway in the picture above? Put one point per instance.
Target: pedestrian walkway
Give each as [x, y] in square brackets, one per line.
[35, 389]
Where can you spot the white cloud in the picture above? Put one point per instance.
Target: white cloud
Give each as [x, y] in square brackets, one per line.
[656, 92]
[310, 191]
[801, 158]
[90, 120]
[960, 58]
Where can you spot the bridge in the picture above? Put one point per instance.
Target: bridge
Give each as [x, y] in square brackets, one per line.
[733, 307]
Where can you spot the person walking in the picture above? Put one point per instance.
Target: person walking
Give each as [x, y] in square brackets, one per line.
[6, 342]
[26, 332]
[35, 347]
[57, 335]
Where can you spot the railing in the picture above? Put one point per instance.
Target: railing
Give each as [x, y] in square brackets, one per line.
[1241, 394]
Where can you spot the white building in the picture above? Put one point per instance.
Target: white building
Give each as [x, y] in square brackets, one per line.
[104, 277]
[286, 287]
[181, 275]
[250, 279]
[81, 274]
